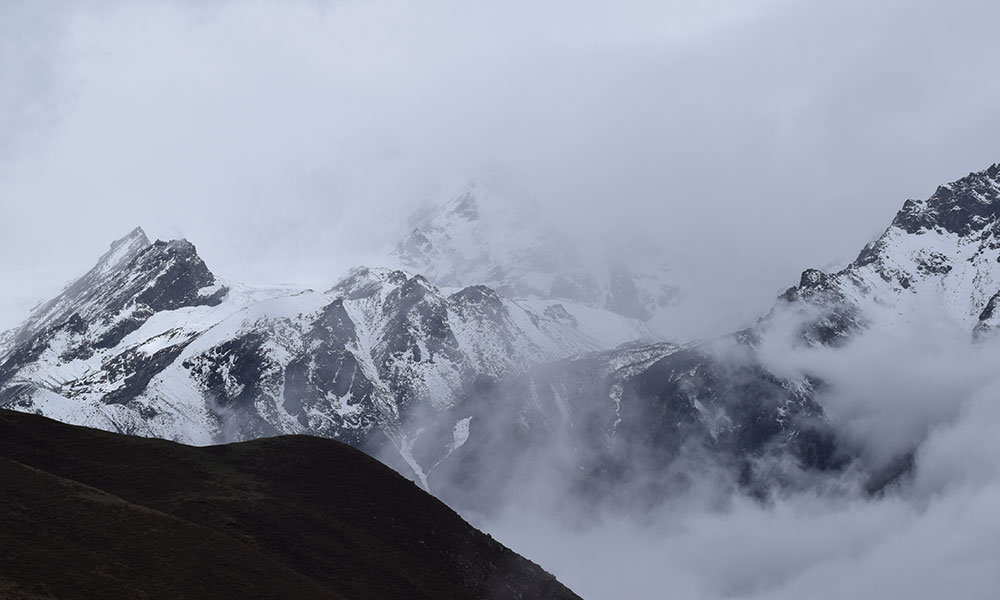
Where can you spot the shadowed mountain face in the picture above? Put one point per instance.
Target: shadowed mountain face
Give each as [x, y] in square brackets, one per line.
[93, 514]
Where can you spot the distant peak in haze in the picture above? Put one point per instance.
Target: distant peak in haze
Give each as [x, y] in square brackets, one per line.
[486, 234]
[466, 204]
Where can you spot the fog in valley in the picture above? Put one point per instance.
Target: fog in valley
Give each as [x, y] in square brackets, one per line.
[928, 535]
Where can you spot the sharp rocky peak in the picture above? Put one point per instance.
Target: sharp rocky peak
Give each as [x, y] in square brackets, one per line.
[122, 252]
[134, 239]
[963, 206]
[130, 282]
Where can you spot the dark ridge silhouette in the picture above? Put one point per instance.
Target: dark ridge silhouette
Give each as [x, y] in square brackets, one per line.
[90, 514]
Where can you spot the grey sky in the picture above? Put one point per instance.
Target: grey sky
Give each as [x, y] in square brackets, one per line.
[287, 140]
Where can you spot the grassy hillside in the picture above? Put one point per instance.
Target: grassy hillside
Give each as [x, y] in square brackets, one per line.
[91, 514]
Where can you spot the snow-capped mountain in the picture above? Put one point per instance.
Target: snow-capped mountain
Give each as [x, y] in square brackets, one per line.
[483, 236]
[119, 300]
[939, 256]
[151, 342]
[462, 387]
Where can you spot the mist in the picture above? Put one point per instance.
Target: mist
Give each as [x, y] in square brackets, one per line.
[931, 534]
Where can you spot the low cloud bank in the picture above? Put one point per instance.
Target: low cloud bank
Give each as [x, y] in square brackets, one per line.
[923, 389]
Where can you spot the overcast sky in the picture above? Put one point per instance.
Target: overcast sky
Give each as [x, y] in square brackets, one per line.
[287, 140]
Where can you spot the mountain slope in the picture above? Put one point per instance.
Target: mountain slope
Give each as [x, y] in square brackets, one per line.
[89, 513]
[939, 258]
[150, 342]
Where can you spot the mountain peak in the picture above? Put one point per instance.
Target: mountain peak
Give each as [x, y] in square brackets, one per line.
[489, 234]
[136, 235]
[122, 251]
[466, 204]
[943, 251]
[131, 281]
[963, 206]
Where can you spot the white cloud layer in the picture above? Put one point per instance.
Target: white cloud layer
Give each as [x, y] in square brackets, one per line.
[931, 536]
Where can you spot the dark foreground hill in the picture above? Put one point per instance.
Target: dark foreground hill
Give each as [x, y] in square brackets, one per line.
[91, 514]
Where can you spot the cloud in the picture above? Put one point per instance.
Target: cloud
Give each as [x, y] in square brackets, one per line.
[290, 139]
[922, 386]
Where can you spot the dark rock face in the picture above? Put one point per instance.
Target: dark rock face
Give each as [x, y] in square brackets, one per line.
[165, 276]
[236, 378]
[991, 308]
[329, 369]
[815, 287]
[417, 332]
[236, 372]
[485, 302]
[962, 207]
[136, 370]
[987, 318]
[831, 320]
[181, 273]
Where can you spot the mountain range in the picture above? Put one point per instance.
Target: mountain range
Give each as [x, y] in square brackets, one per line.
[501, 347]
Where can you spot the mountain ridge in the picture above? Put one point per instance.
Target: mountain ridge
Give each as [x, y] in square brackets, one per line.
[441, 382]
[944, 249]
[91, 513]
[151, 342]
